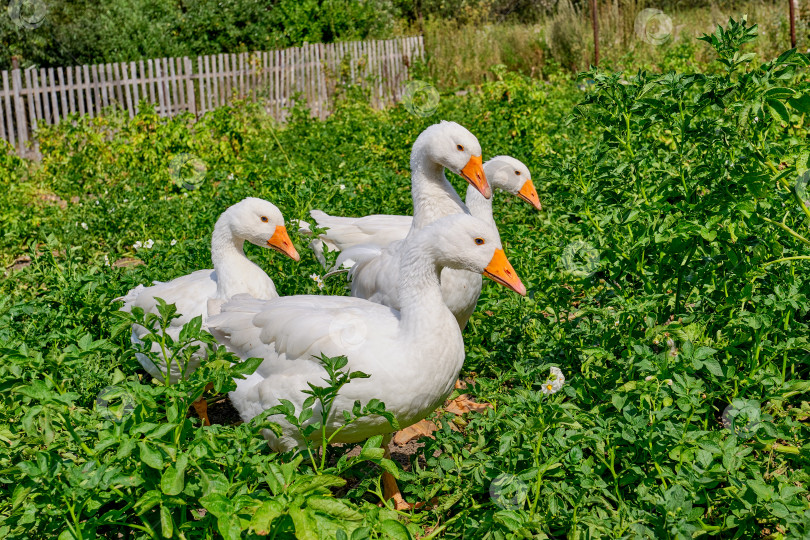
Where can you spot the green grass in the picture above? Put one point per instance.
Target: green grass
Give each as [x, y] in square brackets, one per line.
[667, 279]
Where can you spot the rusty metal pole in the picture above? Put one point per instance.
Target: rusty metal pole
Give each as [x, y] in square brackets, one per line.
[596, 33]
[792, 24]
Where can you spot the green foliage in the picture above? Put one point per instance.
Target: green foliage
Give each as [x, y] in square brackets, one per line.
[667, 279]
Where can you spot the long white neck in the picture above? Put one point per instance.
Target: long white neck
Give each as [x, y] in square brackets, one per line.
[422, 308]
[479, 206]
[433, 196]
[230, 262]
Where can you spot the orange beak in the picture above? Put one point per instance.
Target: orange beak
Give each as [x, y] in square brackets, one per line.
[473, 172]
[501, 271]
[280, 241]
[529, 194]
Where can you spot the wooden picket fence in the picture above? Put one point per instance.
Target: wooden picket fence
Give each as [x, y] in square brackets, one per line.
[32, 97]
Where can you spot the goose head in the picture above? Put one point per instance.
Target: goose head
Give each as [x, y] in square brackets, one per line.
[453, 147]
[260, 223]
[512, 176]
[463, 242]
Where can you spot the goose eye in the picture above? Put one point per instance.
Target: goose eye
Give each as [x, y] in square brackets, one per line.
[517, 173]
[460, 148]
[479, 241]
[264, 219]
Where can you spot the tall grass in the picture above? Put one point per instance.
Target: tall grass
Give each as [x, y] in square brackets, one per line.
[461, 55]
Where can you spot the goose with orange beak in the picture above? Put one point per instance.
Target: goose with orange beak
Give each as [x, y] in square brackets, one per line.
[202, 292]
[374, 269]
[412, 355]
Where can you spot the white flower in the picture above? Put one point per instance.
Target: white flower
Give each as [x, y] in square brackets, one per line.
[126, 200]
[173, 242]
[668, 381]
[555, 382]
[84, 225]
[148, 244]
[230, 176]
[756, 119]
[96, 202]
[649, 378]
[342, 187]
[106, 260]
[317, 279]
[137, 245]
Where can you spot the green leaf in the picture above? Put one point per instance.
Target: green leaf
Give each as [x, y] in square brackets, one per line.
[219, 505]
[262, 521]
[395, 530]
[320, 483]
[147, 501]
[166, 523]
[713, 366]
[333, 507]
[800, 103]
[778, 109]
[173, 479]
[305, 527]
[151, 456]
[778, 93]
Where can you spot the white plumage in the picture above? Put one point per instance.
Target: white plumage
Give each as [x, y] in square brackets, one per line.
[202, 292]
[413, 355]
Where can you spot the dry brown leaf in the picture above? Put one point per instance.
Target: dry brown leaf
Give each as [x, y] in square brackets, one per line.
[463, 404]
[126, 262]
[423, 428]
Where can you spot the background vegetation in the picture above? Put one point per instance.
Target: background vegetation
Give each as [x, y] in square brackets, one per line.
[667, 278]
[463, 37]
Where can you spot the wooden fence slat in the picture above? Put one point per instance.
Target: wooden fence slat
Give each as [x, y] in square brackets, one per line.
[33, 110]
[44, 94]
[9, 116]
[88, 90]
[191, 100]
[126, 77]
[201, 83]
[60, 73]
[101, 81]
[96, 89]
[54, 92]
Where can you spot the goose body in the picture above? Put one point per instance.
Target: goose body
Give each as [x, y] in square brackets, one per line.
[202, 292]
[374, 269]
[413, 355]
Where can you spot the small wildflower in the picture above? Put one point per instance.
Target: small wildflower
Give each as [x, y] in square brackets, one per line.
[97, 203]
[126, 200]
[137, 245]
[668, 381]
[230, 176]
[342, 187]
[84, 225]
[554, 383]
[106, 260]
[756, 119]
[173, 242]
[649, 378]
[148, 244]
[317, 279]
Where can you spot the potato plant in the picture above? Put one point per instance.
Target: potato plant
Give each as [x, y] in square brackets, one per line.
[667, 278]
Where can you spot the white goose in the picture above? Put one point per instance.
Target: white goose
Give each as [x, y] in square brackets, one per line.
[502, 172]
[443, 145]
[375, 270]
[202, 292]
[413, 356]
